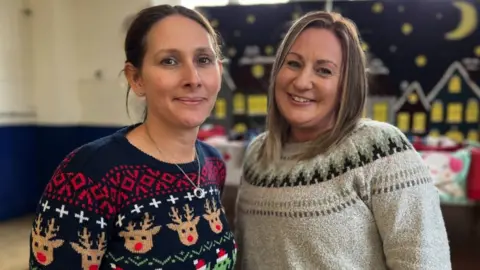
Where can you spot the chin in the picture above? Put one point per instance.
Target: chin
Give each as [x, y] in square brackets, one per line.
[192, 122]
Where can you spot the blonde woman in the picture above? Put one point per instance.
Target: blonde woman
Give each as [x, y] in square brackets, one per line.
[323, 188]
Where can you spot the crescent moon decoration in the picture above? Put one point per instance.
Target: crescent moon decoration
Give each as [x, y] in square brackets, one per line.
[468, 21]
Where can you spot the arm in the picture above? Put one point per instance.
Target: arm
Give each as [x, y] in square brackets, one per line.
[71, 225]
[406, 208]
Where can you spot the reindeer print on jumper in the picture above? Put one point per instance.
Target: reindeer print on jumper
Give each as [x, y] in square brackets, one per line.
[186, 229]
[43, 246]
[140, 240]
[213, 217]
[91, 257]
[110, 206]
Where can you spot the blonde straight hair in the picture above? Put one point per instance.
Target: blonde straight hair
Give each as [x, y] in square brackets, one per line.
[353, 88]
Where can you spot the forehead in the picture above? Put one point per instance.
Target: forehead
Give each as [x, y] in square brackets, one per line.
[318, 43]
[178, 32]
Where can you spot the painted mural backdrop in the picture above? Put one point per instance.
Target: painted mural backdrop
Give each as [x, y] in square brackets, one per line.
[424, 61]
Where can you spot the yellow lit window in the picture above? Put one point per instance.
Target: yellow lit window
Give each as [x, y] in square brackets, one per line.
[437, 112]
[419, 122]
[455, 85]
[454, 112]
[403, 121]
[455, 135]
[220, 108]
[238, 103]
[471, 113]
[473, 135]
[434, 133]
[380, 112]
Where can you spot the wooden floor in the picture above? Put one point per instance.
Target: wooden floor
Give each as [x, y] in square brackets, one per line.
[14, 237]
[465, 243]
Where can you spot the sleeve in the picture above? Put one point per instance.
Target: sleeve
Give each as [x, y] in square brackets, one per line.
[72, 221]
[406, 209]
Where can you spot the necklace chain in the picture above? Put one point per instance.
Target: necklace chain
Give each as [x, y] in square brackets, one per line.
[198, 192]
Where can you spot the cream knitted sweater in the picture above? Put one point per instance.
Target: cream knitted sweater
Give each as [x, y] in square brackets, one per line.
[368, 204]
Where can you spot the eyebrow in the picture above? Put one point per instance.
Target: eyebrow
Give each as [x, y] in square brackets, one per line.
[176, 51]
[320, 61]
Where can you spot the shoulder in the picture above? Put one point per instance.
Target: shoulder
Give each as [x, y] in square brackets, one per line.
[212, 157]
[209, 151]
[370, 133]
[371, 143]
[91, 155]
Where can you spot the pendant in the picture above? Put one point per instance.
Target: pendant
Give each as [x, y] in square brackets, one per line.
[199, 193]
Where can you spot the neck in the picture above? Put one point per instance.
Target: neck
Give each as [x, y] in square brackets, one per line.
[174, 144]
[298, 134]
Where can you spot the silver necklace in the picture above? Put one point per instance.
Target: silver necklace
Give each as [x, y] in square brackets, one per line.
[198, 191]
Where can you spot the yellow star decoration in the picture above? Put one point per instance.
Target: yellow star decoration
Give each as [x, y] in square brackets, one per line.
[269, 50]
[377, 7]
[412, 98]
[295, 15]
[407, 29]
[365, 46]
[251, 19]
[421, 60]
[214, 23]
[231, 52]
[258, 71]
[476, 50]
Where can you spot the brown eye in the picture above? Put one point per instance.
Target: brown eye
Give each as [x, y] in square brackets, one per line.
[324, 71]
[168, 62]
[293, 64]
[205, 60]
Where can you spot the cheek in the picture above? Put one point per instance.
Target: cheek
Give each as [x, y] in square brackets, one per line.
[211, 80]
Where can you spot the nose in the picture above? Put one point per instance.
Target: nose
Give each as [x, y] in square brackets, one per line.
[304, 80]
[191, 77]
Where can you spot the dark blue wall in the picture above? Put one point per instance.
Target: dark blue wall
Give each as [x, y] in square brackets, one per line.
[28, 157]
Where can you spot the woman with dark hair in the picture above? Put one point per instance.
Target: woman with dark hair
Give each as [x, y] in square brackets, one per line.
[147, 196]
[323, 188]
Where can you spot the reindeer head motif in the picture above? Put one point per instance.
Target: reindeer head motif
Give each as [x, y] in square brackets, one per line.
[213, 217]
[140, 241]
[43, 246]
[91, 258]
[187, 230]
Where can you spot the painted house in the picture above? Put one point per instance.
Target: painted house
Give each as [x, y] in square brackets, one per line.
[412, 110]
[380, 108]
[455, 105]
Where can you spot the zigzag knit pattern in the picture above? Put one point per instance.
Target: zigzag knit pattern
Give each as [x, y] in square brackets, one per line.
[367, 204]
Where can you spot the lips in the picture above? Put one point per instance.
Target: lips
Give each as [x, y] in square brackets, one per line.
[192, 99]
[300, 99]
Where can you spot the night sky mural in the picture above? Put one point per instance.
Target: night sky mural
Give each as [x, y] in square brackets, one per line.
[424, 53]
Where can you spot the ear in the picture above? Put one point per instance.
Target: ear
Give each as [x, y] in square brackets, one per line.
[205, 216]
[155, 230]
[172, 226]
[195, 221]
[134, 79]
[57, 243]
[220, 66]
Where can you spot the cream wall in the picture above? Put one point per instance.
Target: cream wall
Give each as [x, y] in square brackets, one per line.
[77, 59]
[61, 60]
[17, 104]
